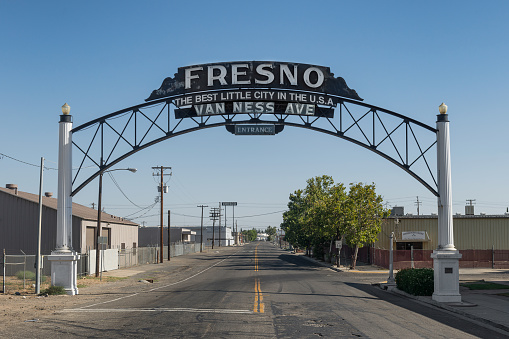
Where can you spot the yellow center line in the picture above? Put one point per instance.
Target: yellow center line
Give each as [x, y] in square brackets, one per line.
[259, 306]
[256, 258]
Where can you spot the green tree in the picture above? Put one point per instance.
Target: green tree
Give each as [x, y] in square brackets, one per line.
[363, 213]
[250, 235]
[271, 232]
[318, 213]
[297, 232]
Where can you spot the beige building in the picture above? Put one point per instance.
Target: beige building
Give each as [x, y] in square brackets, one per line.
[471, 232]
[483, 240]
[19, 215]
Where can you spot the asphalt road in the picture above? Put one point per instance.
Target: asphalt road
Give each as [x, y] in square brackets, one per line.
[254, 291]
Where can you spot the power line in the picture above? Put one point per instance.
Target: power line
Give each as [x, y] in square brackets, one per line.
[259, 215]
[27, 163]
[120, 189]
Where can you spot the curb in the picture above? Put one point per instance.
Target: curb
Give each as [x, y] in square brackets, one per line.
[334, 268]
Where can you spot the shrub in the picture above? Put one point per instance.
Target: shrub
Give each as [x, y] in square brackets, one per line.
[416, 281]
[54, 290]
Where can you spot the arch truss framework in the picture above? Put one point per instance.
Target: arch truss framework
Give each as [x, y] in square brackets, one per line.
[106, 141]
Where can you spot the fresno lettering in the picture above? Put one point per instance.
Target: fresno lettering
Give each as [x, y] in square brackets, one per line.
[267, 75]
[249, 74]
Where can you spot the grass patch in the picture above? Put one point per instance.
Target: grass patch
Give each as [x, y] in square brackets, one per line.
[54, 290]
[484, 285]
[29, 275]
[107, 279]
[114, 278]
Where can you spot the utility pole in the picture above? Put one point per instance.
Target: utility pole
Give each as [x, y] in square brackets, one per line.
[169, 236]
[201, 232]
[214, 214]
[162, 187]
[220, 211]
[418, 203]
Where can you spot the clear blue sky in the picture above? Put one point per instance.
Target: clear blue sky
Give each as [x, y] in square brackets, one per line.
[102, 56]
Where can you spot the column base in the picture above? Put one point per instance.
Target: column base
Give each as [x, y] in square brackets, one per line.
[64, 270]
[446, 276]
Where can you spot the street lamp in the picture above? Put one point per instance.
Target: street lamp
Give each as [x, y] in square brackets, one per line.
[66, 109]
[442, 108]
[133, 170]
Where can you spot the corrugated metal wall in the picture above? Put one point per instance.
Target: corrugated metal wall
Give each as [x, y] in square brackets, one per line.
[19, 220]
[470, 232]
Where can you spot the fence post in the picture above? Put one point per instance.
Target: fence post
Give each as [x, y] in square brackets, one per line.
[492, 256]
[3, 281]
[412, 256]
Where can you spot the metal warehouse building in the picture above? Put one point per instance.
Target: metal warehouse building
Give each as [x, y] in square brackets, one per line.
[19, 217]
[483, 240]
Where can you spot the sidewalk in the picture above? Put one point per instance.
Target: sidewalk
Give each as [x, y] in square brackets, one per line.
[484, 306]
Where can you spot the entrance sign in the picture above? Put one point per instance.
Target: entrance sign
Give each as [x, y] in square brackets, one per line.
[255, 130]
[260, 97]
[256, 98]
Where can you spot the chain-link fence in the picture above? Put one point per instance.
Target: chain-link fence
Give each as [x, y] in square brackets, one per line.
[21, 267]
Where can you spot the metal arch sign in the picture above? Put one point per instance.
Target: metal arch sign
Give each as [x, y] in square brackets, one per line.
[257, 98]
[254, 87]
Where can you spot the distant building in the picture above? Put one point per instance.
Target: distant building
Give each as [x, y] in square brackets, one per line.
[19, 218]
[227, 236]
[262, 237]
[151, 236]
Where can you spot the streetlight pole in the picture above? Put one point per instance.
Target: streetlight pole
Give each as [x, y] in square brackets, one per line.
[390, 280]
[99, 214]
[38, 257]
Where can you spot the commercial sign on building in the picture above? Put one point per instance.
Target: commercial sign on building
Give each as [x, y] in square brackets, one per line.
[413, 235]
[254, 87]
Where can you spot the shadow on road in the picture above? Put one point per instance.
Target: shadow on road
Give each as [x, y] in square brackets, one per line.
[428, 311]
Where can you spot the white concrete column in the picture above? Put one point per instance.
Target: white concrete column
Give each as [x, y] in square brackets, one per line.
[445, 223]
[445, 257]
[64, 261]
[64, 204]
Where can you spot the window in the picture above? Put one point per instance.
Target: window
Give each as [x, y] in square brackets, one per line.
[408, 245]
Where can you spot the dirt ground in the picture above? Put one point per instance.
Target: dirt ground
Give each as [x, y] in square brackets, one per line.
[29, 307]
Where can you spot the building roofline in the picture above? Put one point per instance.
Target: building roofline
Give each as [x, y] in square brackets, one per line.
[79, 211]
